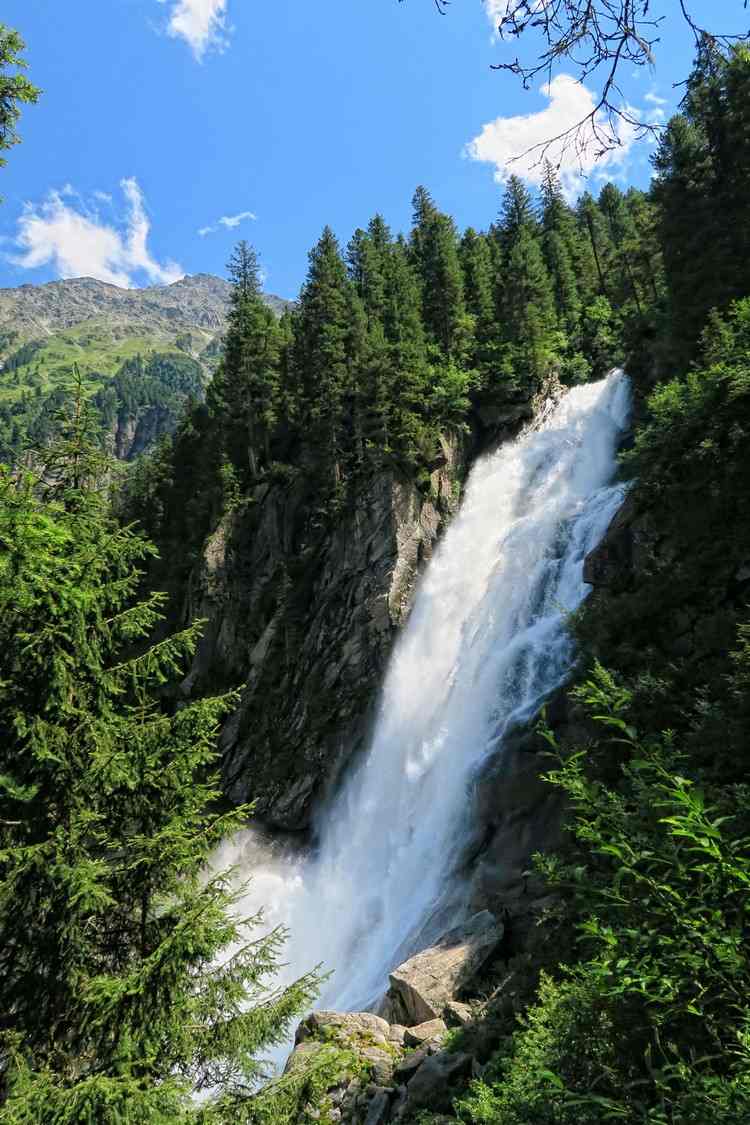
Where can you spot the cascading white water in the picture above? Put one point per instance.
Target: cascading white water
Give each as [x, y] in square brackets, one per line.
[485, 641]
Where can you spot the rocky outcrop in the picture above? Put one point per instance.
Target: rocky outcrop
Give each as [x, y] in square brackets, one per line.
[388, 1072]
[132, 434]
[421, 988]
[306, 623]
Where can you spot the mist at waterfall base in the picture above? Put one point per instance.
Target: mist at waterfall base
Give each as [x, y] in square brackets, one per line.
[485, 641]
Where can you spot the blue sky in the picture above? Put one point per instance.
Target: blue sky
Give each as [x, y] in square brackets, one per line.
[160, 118]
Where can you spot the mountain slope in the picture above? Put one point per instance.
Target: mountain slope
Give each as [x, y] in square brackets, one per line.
[163, 341]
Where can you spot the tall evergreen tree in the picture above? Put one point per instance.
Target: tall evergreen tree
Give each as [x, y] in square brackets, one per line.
[700, 189]
[565, 253]
[129, 982]
[434, 244]
[322, 361]
[245, 391]
[624, 239]
[596, 231]
[529, 314]
[516, 213]
[366, 256]
[479, 289]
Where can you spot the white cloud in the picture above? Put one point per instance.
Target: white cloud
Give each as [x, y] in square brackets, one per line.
[513, 144]
[232, 221]
[228, 221]
[498, 9]
[201, 23]
[657, 114]
[76, 242]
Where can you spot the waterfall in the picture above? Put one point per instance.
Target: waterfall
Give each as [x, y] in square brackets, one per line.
[485, 641]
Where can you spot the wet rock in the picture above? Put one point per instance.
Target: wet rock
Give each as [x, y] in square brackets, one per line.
[610, 563]
[422, 986]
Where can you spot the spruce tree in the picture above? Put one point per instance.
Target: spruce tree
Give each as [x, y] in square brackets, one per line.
[323, 364]
[516, 213]
[15, 88]
[434, 245]
[479, 289]
[529, 314]
[560, 242]
[244, 393]
[366, 258]
[595, 230]
[624, 239]
[130, 979]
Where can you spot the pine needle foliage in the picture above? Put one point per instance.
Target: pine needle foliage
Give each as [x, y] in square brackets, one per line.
[131, 981]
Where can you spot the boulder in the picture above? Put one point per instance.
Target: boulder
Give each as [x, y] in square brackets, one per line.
[379, 1110]
[423, 985]
[380, 1062]
[432, 1085]
[458, 1014]
[302, 1056]
[344, 1025]
[424, 1033]
[409, 1064]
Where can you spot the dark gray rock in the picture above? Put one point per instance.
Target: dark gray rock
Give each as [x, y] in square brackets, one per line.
[380, 1108]
[311, 649]
[432, 1085]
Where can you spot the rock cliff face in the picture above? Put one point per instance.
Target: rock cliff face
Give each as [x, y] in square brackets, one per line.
[133, 434]
[303, 617]
[306, 623]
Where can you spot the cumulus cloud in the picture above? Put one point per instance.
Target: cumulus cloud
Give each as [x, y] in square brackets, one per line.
[230, 222]
[512, 144]
[201, 23]
[77, 242]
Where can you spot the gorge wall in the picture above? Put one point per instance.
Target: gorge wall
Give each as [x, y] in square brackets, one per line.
[304, 618]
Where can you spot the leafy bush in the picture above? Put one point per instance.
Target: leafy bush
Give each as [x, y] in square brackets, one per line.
[653, 1024]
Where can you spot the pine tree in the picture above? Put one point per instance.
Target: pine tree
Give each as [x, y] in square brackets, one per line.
[479, 287]
[624, 239]
[516, 213]
[366, 258]
[245, 391]
[323, 363]
[595, 230]
[15, 88]
[529, 315]
[700, 190]
[434, 245]
[560, 242]
[128, 980]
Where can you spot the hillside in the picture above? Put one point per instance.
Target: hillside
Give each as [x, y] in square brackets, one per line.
[169, 334]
